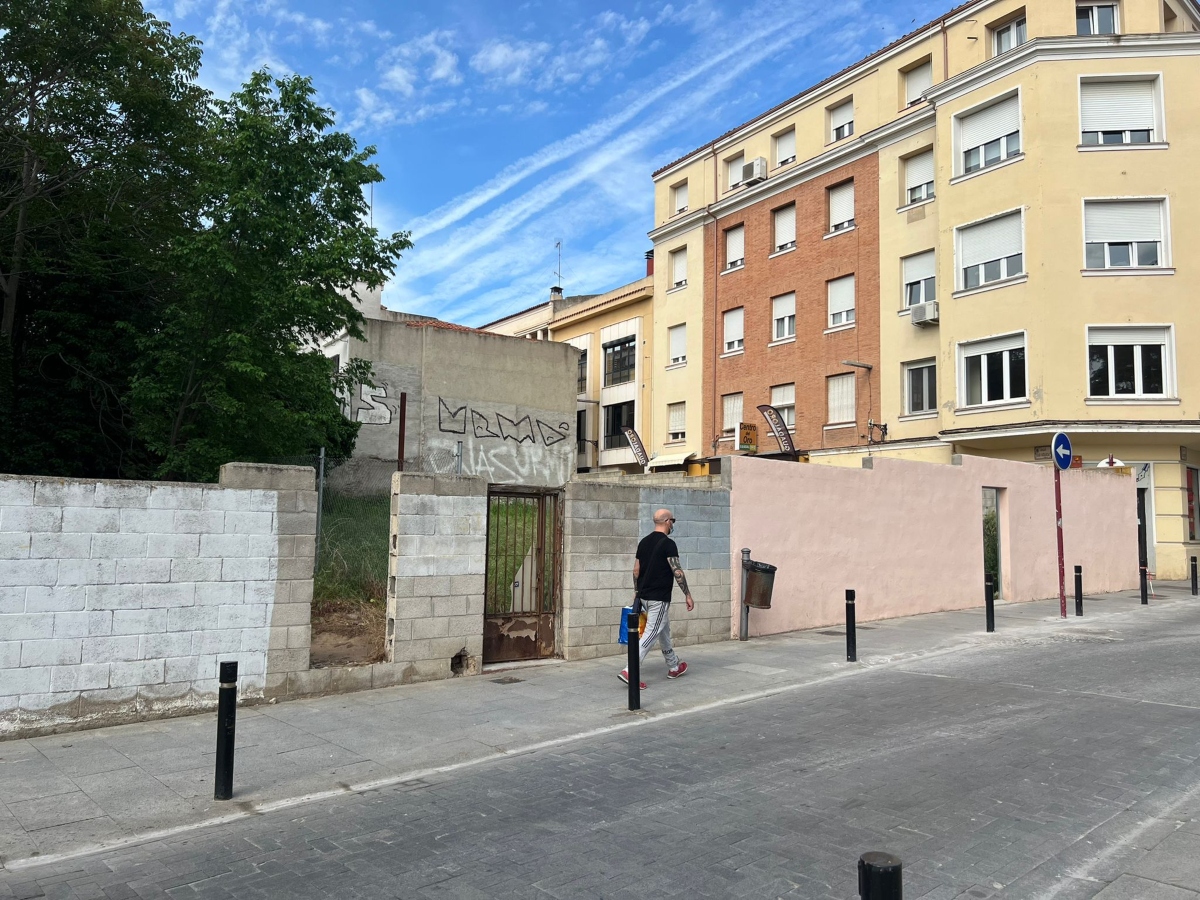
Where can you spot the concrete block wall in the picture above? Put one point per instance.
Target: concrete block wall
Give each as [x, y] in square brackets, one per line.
[435, 581]
[602, 526]
[118, 599]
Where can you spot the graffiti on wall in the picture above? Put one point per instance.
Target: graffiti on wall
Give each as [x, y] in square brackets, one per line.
[374, 405]
[453, 420]
[505, 444]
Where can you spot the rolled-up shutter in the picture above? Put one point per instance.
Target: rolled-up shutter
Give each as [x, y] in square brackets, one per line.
[1118, 221]
[785, 145]
[679, 266]
[785, 225]
[679, 342]
[918, 170]
[681, 197]
[990, 123]
[841, 295]
[1127, 334]
[735, 245]
[676, 417]
[994, 239]
[841, 204]
[1117, 105]
[919, 267]
[917, 81]
[783, 306]
[842, 114]
[733, 170]
[734, 325]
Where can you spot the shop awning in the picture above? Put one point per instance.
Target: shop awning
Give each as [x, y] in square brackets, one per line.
[670, 459]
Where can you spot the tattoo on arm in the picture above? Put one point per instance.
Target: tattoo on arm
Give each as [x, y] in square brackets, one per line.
[677, 571]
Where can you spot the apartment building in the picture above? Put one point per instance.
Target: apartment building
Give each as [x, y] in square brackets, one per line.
[985, 245]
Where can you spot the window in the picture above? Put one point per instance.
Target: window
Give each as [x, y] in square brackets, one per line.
[1193, 484]
[1011, 34]
[1122, 233]
[993, 371]
[731, 405]
[1129, 361]
[991, 251]
[1117, 112]
[581, 442]
[735, 247]
[916, 81]
[785, 227]
[734, 334]
[785, 147]
[841, 398]
[783, 316]
[841, 120]
[679, 267]
[990, 135]
[676, 421]
[620, 361]
[918, 177]
[783, 398]
[616, 417]
[841, 207]
[921, 383]
[678, 341]
[679, 198]
[581, 386]
[733, 171]
[841, 301]
[920, 283]
[1096, 18]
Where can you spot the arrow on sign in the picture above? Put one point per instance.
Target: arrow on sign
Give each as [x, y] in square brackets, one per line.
[1062, 451]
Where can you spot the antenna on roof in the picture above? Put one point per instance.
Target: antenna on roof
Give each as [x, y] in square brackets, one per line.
[558, 271]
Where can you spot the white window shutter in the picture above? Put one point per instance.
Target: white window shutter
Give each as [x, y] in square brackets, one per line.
[1127, 334]
[841, 295]
[919, 267]
[678, 341]
[733, 170]
[841, 204]
[732, 404]
[679, 266]
[735, 244]
[843, 114]
[681, 197]
[993, 345]
[783, 394]
[784, 305]
[1122, 220]
[918, 170]
[785, 225]
[734, 325]
[987, 124]
[993, 239]
[785, 145]
[1117, 105]
[676, 417]
[918, 80]
[841, 398]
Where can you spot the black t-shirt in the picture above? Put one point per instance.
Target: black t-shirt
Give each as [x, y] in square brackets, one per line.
[656, 579]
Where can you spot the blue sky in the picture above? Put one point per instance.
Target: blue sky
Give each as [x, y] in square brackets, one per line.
[505, 126]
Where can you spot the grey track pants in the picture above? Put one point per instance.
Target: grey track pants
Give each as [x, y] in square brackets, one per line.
[658, 628]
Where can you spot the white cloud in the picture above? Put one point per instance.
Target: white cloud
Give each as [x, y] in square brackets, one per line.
[510, 62]
[427, 58]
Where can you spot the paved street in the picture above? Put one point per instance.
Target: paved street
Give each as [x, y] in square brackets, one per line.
[1049, 760]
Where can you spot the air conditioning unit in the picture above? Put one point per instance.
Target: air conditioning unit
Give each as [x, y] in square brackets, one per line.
[924, 313]
[754, 171]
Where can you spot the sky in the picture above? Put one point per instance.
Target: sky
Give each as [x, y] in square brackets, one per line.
[505, 126]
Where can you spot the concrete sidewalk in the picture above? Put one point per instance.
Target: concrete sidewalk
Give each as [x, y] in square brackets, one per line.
[65, 794]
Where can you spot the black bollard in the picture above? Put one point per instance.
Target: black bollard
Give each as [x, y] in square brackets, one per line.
[851, 636]
[880, 876]
[989, 600]
[1079, 590]
[1142, 578]
[226, 722]
[634, 664]
[1195, 585]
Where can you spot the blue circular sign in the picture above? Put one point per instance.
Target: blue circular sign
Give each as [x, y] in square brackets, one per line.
[1060, 450]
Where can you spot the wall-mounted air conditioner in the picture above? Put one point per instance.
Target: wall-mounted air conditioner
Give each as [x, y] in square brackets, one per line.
[924, 313]
[754, 171]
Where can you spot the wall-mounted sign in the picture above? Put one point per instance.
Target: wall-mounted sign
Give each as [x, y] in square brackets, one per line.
[1076, 462]
[748, 437]
[778, 428]
[1041, 454]
[635, 444]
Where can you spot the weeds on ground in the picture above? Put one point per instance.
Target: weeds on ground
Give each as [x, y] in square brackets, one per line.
[354, 551]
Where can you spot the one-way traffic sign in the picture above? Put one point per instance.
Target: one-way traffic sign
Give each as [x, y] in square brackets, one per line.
[1060, 450]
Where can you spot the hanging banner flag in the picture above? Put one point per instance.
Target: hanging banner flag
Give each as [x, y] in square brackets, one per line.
[635, 444]
[779, 427]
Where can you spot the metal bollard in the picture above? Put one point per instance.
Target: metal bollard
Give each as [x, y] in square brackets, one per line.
[989, 600]
[634, 664]
[1142, 578]
[226, 723]
[851, 636]
[880, 876]
[1195, 585]
[1079, 590]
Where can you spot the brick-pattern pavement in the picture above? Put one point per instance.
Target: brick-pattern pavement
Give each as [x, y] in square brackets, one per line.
[1061, 765]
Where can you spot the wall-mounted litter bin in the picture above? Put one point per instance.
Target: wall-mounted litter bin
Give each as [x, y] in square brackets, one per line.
[760, 581]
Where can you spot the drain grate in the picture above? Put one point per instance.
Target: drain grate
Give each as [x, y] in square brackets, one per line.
[507, 679]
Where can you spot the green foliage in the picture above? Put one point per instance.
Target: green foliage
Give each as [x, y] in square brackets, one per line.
[991, 545]
[169, 262]
[354, 549]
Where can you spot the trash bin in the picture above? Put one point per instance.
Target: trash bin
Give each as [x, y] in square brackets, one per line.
[760, 580]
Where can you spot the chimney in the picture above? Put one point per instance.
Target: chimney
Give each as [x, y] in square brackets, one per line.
[555, 293]
[649, 263]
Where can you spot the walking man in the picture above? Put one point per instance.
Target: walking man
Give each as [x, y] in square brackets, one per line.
[656, 571]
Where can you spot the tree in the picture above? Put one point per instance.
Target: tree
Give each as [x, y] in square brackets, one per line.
[234, 371]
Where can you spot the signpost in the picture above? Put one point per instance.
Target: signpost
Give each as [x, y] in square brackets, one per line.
[1061, 454]
[748, 437]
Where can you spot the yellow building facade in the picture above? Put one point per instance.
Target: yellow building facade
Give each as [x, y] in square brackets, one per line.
[1036, 200]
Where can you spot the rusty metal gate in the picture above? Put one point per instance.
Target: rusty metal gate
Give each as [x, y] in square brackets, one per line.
[522, 582]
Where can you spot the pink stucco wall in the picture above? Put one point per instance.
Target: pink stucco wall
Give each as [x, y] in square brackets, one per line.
[908, 536]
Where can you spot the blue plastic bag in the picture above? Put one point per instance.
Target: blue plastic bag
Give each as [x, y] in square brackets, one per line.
[624, 636]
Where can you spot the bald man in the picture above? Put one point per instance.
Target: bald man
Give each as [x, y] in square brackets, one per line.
[656, 571]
